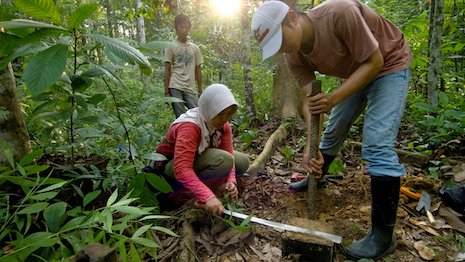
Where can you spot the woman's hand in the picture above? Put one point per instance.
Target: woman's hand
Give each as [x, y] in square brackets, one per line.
[314, 166]
[213, 205]
[231, 188]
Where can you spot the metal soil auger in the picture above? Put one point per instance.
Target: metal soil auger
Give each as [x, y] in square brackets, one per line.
[314, 142]
[310, 247]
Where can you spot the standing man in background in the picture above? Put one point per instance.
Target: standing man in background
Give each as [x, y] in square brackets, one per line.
[182, 68]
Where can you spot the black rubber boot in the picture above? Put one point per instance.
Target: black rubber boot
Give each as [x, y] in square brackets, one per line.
[381, 239]
[302, 184]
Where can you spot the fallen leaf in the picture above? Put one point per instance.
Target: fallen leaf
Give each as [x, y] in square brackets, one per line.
[424, 251]
[452, 218]
[424, 226]
[365, 209]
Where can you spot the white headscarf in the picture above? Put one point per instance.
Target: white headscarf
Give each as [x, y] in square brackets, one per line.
[213, 100]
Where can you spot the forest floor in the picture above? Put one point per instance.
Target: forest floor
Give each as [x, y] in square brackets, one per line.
[343, 205]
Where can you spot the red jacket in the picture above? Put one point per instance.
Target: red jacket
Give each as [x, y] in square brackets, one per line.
[182, 141]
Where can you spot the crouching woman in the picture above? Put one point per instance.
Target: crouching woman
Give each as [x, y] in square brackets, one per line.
[199, 149]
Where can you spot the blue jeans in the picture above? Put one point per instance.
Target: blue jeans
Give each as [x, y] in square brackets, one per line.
[190, 100]
[385, 101]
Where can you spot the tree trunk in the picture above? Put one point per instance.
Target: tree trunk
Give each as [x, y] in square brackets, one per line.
[247, 64]
[140, 29]
[287, 100]
[109, 6]
[436, 22]
[13, 128]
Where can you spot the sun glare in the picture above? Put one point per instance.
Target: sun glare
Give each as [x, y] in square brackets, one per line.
[226, 7]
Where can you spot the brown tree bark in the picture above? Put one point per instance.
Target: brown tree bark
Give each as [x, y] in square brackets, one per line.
[287, 100]
[436, 22]
[247, 64]
[13, 128]
[109, 7]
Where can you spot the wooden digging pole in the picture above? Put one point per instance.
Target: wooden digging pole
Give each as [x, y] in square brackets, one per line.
[314, 126]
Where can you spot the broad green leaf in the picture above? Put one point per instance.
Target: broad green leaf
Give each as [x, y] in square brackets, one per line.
[97, 98]
[40, 9]
[41, 239]
[144, 241]
[8, 259]
[425, 107]
[130, 210]
[165, 230]
[24, 50]
[158, 183]
[124, 202]
[30, 157]
[91, 196]
[157, 45]
[80, 83]
[116, 60]
[93, 72]
[146, 70]
[55, 115]
[112, 75]
[122, 250]
[108, 221]
[141, 231]
[8, 153]
[24, 23]
[135, 257]
[45, 68]
[52, 187]
[40, 34]
[8, 43]
[459, 46]
[35, 169]
[34, 208]
[81, 14]
[21, 170]
[136, 185]
[92, 120]
[149, 198]
[121, 49]
[112, 198]
[154, 156]
[246, 221]
[53, 214]
[125, 147]
[44, 196]
[159, 57]
[20, 181]
[443, 99]
[28, 223]
[73, 223]
[155, 217]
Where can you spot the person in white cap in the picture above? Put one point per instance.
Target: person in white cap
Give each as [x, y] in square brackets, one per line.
[349, 40]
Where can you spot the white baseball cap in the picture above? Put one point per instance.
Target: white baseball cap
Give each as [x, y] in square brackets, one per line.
[266, 26]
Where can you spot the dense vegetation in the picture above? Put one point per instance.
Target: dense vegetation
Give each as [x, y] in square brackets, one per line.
[87, 85]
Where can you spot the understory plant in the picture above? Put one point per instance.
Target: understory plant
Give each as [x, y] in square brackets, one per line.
[36, 224]
[73, 80]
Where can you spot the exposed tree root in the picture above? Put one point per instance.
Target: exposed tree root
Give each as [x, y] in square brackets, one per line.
[275, 140]
[187, 253]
